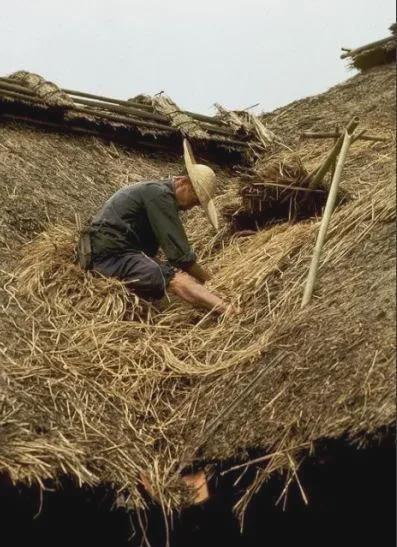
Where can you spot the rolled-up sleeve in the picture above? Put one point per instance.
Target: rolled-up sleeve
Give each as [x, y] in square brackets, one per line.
[164, 219]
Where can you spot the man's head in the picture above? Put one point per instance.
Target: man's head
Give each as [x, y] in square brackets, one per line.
[203, 181]
[185, 195]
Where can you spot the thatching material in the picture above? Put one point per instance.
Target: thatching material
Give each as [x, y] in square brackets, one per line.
[374, 54]
[47, 91]
[188, 126]
[242, 120]
[104, 387]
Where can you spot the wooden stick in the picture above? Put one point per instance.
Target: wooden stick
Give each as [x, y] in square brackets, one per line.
[316, 176]
[329, 207]
[337, 134]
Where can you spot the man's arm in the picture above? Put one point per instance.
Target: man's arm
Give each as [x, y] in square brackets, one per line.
[167, 226]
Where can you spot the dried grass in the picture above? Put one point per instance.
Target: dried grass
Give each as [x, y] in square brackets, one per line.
[105, 387]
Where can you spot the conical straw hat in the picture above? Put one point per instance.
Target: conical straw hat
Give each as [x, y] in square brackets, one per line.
[204, 183]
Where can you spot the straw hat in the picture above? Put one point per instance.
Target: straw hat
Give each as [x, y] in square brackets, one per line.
[203, 180]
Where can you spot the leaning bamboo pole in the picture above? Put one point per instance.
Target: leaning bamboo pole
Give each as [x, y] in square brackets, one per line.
[316, 176]
[329, 207]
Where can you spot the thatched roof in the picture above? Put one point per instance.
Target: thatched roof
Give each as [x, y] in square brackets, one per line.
[144, 121]
[373, 54]
[105, 389]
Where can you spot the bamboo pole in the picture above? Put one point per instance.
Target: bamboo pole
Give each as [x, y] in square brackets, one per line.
[141, 106]
[337, 134]
[122, 109]
[16, 87]
[329, 207]
[122, 119]
[120, 102]
[316, 176]
[20, 96]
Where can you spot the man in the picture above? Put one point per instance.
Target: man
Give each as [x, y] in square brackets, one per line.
[139, 219]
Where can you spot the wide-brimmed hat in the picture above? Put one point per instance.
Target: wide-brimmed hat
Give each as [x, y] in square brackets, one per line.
[203, 180]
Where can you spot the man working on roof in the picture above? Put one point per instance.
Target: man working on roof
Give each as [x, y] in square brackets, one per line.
[127, 233]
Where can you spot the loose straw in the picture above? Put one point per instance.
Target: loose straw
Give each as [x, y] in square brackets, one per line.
[329, 207]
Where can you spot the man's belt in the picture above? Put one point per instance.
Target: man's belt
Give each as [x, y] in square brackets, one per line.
[84, 251]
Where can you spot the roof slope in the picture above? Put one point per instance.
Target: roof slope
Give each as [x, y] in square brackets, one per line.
[88, 393]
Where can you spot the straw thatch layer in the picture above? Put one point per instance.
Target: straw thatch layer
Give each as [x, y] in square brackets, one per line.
[105, 387]
[374, 54]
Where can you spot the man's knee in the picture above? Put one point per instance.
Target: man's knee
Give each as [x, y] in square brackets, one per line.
[149, 281]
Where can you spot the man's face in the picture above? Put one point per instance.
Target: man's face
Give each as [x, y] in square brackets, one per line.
[186, 196]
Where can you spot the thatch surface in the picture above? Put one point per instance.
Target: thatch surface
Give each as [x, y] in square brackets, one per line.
[88, 393]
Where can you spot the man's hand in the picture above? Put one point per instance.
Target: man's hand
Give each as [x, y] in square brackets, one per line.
[196, 271]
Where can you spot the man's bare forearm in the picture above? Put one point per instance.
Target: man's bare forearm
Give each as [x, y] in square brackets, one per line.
[198, 272]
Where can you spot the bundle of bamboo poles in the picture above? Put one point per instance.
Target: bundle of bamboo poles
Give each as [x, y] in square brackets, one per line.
[129, 113]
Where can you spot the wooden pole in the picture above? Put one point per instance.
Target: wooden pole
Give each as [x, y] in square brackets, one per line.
[329, 207]
[317, 175]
